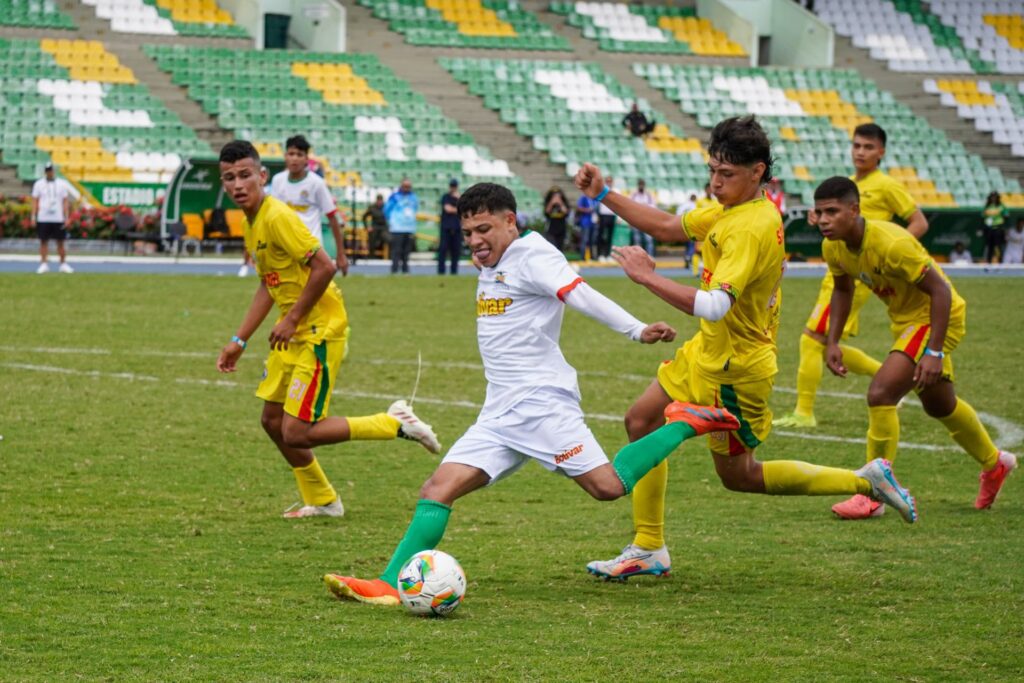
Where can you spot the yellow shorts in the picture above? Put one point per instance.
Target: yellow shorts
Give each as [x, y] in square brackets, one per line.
[818, 320]
[748, 401]
[913, 340]
[302, 377]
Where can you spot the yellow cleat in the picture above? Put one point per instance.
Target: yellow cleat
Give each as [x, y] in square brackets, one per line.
[795, 420]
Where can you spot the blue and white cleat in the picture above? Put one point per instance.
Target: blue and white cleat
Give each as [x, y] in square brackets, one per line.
[633, 561]
[885, 489]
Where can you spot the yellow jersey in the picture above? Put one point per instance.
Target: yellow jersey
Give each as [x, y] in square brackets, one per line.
[882, 197]
[744, 256]
[891, 263]
[281, 247]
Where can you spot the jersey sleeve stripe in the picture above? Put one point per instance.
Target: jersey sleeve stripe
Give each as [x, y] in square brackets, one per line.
[568, 288]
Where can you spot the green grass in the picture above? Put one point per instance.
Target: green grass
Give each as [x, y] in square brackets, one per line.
[139, 503]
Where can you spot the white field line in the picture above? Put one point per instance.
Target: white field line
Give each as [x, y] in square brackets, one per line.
[1009, 433]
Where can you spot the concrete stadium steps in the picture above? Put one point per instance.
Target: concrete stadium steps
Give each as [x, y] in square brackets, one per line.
[909, 90]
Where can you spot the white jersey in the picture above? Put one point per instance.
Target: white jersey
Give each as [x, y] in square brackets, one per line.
[51, 195]
[519, 313]
[1014, 252]
[308, 197]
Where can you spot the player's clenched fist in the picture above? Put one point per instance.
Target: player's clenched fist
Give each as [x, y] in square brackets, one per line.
[657, 332]
[589, 180]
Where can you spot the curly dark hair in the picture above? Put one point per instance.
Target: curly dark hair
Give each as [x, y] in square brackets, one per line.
[742, 141]
[486, 197]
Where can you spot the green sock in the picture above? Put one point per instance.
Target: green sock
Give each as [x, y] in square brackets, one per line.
[424, 533]
[640, 457]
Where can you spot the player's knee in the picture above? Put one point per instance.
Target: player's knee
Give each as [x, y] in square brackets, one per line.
[271, 424]
[439, 490]
[881, 395]
[741, 481]
[607, 491]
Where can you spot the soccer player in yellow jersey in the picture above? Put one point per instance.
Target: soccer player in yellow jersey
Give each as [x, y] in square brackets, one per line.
[730, 361]
[882, 198]
[928, 320]
[307, 343]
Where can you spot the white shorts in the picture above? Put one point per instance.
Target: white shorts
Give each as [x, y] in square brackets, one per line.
[546, 426]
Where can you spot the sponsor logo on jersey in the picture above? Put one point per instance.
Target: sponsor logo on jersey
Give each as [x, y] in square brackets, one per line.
[260, 245]
[706, 277]
[713, 238]
[272, 279]
[488, 306]
[566, 454]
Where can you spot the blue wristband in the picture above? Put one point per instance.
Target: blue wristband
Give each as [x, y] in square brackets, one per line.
[238, 340]
[935, 354]
[603, 194]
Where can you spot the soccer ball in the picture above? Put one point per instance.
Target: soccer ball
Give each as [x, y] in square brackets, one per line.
[431, 583]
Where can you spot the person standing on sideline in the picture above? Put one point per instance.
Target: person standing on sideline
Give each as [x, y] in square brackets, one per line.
[681, 211]
[308, 342]
[585, 222]
[51, 209]
[400, 210]
[994, 215]
[605, 226]
[556, 211]
[638, 237]
[450, 247]
[377, 225]
[1014, 252]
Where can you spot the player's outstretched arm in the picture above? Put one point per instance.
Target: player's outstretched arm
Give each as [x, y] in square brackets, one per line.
[917, 224]
[839, 311]
[929, 368]
[258, 310]
[661, 225]
[593, 304]
[321, 272]
[639, 266]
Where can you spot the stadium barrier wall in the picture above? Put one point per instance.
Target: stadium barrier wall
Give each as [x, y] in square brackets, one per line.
[737, 27]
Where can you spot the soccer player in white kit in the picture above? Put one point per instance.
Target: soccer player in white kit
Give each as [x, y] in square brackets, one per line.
[306, 194]
[532, 407]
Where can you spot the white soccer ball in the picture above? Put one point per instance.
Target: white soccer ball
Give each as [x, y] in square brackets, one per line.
[431, 583]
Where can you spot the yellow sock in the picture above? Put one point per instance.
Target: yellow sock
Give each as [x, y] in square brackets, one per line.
[313, 484]
[808, 374]
[883, 432]
[966, 429]
[379, 427]
[858, 362]
[649, 508]
[795, 478]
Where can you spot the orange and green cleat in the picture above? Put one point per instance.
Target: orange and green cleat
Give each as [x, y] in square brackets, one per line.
[373, 592]
[703, 419]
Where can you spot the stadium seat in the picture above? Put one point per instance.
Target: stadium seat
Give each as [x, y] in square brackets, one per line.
[168, 17]
[996, 108]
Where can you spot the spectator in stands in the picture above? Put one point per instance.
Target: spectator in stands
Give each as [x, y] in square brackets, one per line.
[638, 237]
[556, 213]
[450, 247]
[376, 223]
[994, 215]
[960, 256]
[400, 210]
[51, 208]
[776, 195]
[681, 211]
[637, 123]
[585, 222]
[605, 226]
[1014, 252]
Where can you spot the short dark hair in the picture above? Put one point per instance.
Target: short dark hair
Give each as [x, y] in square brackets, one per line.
[741, 140]
[489, 197]
[838, 187]
[299, 142]
[236, 150]
[871, 130]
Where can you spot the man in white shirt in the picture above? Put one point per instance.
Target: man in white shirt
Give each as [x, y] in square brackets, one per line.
[307, 194]
[51, 209]
[638, 237]
[532, 406]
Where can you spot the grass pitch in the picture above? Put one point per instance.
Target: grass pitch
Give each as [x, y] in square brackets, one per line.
[140, 537]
